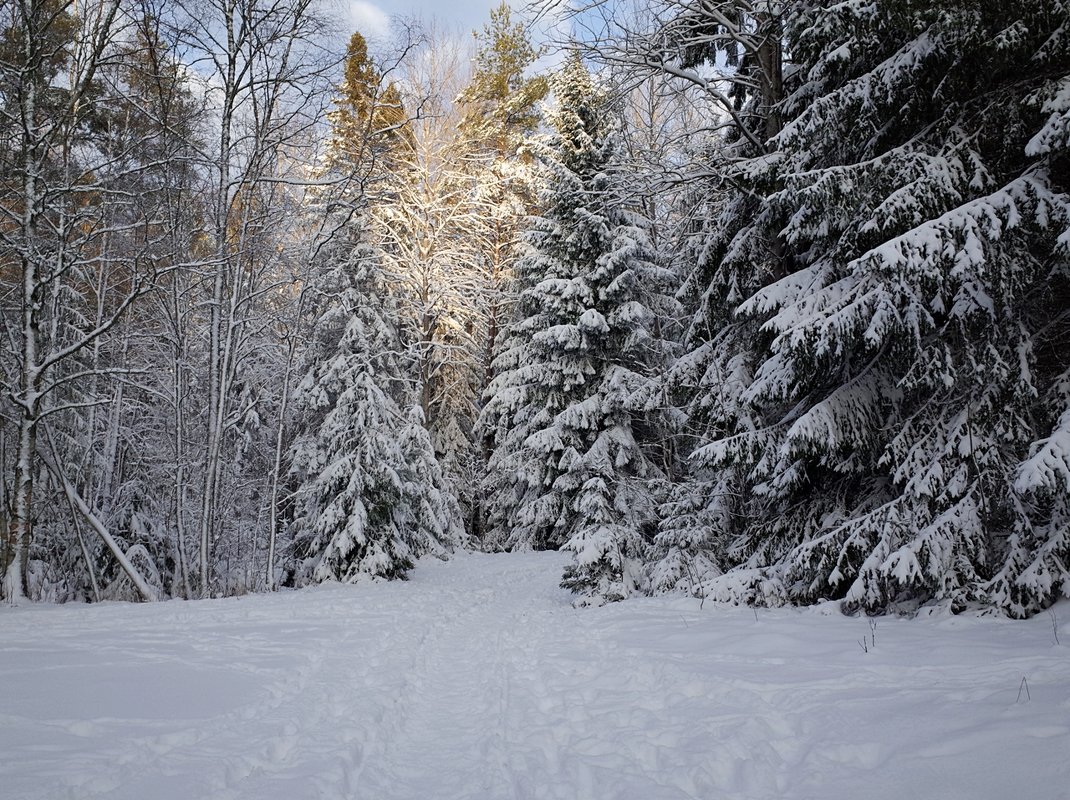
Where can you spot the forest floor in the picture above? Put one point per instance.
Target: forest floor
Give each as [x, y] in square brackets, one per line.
[477, 679]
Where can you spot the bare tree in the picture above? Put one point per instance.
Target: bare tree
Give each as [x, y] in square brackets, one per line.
[76, 244]
[420, 226]
[730, 50]
[265, 75]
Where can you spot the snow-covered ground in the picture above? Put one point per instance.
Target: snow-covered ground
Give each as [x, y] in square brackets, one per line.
[478, 680]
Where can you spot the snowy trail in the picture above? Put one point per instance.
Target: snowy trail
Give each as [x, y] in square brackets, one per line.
[478, 680]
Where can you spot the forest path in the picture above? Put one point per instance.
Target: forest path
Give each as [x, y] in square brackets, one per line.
[477, 679]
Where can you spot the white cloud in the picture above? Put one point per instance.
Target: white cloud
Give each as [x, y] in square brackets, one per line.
[368, 18]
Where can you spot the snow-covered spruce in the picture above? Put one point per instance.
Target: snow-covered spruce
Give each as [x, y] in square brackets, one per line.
[725, 253]
[372, 496]
[900, 431]
[567, 470]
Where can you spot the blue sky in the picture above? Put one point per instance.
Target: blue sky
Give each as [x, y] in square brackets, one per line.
[372, 17]
[451, 18]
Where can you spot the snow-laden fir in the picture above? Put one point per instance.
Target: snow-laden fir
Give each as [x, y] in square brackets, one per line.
[570, 468]
[877, 370]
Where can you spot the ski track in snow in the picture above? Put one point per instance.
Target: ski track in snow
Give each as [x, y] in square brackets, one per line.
[477, 679]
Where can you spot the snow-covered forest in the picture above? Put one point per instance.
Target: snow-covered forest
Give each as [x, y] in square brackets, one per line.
[756, 301]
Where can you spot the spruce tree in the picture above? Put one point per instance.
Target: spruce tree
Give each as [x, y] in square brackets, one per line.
[369, 124]
[896, 429]
[727, 249]
[568, 470]
[372, 496]
[349, 461]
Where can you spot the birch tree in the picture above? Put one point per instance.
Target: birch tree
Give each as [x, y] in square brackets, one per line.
[70, 228]
[424, 227]
[265, 77]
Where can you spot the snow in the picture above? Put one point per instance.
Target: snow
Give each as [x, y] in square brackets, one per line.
[477, 679]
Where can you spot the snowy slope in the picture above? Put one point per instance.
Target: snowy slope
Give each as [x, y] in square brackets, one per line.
[478, 680]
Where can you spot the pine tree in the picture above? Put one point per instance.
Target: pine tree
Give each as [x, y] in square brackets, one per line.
[568, 470]
[501, 101]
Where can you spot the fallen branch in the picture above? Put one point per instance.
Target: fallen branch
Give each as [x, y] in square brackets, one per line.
[147, 592]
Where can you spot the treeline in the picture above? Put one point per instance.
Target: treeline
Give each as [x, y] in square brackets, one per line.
[765, 302]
